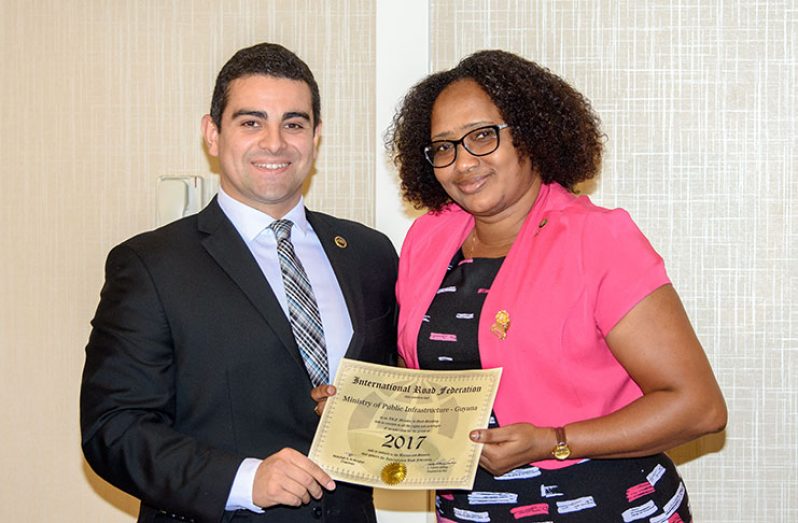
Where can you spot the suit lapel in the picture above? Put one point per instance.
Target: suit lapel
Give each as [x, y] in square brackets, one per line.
[225, 245]
[338, 250]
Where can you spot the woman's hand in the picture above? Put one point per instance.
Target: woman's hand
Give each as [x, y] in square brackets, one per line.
[320, 395]
[512, 446]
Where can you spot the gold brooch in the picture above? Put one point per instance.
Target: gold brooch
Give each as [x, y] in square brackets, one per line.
[393, 473]
[340, 242]
[501, 324]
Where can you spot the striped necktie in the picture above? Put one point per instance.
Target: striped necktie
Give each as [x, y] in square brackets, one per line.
[303, 311]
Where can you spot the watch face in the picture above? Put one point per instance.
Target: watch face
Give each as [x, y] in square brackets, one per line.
[561, 452]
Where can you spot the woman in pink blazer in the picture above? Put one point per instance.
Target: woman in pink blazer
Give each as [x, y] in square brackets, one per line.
[602, 369]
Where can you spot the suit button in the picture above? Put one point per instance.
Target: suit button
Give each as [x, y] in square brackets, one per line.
[317, 512]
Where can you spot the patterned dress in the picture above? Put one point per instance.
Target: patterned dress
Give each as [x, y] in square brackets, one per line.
[592, 491]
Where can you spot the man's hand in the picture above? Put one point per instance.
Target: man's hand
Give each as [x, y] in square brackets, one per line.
[319, 395]
[289, 478]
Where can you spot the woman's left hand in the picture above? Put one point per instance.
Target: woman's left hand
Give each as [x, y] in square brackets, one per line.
[511, 446]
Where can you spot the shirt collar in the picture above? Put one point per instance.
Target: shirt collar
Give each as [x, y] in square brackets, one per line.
[250, 222]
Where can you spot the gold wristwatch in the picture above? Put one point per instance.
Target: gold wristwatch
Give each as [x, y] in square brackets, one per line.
[561, 451]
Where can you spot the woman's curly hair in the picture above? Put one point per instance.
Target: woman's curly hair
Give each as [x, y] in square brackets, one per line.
[551, 123]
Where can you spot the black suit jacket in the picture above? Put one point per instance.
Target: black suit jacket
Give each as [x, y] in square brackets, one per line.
[191, 366]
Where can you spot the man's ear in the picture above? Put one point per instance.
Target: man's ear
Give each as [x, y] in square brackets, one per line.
[316, 139]
[210, 134]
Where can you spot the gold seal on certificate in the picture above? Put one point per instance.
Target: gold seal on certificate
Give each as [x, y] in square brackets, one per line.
[393, 473]
[404, 429]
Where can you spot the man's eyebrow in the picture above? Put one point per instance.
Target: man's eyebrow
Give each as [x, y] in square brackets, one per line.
[264, 116]
[296, 114]
[250, 112]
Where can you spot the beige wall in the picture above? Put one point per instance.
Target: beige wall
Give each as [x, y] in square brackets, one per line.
[100, 97]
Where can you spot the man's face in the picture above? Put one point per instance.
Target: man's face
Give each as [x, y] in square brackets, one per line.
[267, 142]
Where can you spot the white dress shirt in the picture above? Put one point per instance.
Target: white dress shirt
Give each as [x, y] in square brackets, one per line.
[253, 225]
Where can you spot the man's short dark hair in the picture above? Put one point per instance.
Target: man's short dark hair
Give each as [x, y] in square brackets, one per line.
[268, 60]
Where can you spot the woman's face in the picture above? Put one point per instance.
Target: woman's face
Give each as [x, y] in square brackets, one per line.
[495, 185]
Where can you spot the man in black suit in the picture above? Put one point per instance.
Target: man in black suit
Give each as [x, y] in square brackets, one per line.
[195, 394]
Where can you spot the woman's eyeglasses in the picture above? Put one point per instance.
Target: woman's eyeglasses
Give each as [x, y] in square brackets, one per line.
[478, 142]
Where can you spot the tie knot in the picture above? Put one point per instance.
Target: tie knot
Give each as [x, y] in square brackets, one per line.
[281, 229]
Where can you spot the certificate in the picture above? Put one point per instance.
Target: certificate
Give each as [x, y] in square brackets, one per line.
[399, 428]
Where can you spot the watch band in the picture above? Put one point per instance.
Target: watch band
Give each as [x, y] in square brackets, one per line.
[561, 451]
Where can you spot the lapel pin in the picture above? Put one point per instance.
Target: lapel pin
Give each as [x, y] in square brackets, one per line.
[340, 242]
[542, 224]
[501, 324]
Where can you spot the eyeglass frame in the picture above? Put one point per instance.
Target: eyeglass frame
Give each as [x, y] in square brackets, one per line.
[496, 127]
